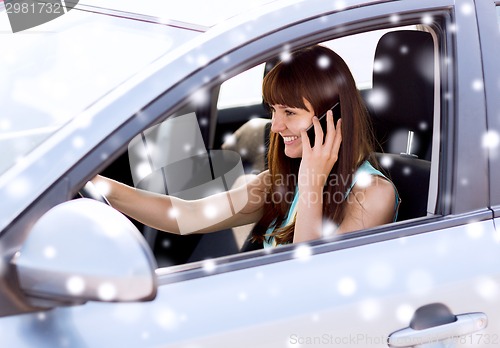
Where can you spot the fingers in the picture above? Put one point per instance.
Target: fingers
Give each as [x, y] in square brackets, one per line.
[338, 138]
[306, 146]
[318, 132]
[333, 133]
[333, 138]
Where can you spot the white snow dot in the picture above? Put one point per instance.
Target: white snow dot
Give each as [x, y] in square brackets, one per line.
[19, 187]
[5, 125]
[209, 266]
[173, 213]
[187, 147]
[427, 19]
[487, 289]
[106, 291]
[466, 9]
[49, 252]
[242, 296]
[102, 187]
[41, 316]
[496, 236]
[230, 139]
[364, 180]
[404, 49]
[378, 98]
[302, 252]
[285, 56]
[167, 319]
[202, 60]
[377, 65]
[323, 62]
[477, 85]
[75, 285]
[386, 161]
[329, 228]
[423, 125]
[406, 171]
[200, 97]
[210, 211]
[347, 286]
[464, 182]
[145, 335]
[474, 230]
[491, 140]
[394, 18]
[203, 122]
[404, 313]
[166, 243]
[142, 170]
[339, 5]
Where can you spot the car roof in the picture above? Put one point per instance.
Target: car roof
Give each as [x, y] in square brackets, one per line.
[198, 12]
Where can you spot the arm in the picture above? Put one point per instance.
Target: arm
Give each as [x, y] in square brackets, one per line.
[239, 206]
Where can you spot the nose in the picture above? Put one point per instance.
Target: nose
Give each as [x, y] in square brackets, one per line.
[278, 122]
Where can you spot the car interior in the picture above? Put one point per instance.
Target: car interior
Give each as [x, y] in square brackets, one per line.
[402, 101]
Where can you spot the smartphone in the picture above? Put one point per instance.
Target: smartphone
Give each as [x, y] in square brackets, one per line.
[322, 121]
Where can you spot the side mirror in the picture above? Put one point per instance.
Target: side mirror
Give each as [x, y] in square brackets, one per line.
[85, 250]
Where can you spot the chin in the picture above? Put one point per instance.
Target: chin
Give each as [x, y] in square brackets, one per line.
[293, 153]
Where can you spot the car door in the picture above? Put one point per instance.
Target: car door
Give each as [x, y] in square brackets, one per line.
[351, 291]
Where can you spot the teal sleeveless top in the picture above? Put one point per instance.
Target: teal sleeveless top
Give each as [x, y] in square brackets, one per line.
[363, 170]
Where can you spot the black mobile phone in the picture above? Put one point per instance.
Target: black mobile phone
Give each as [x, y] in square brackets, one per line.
[322, 121]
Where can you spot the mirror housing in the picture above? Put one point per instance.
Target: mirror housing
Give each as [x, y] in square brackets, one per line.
[84, 250]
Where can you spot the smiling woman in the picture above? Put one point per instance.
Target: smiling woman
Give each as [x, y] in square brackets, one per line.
[295, 90]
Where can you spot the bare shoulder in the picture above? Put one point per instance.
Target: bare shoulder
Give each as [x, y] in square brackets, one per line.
[369, 205]
[379, 189]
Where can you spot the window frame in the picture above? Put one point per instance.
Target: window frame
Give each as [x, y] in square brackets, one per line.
[488, 19]
[444, 217]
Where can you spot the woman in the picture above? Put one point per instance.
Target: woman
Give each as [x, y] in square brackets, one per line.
[306, 187]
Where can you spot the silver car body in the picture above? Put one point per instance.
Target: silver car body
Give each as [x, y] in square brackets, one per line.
[349, 292]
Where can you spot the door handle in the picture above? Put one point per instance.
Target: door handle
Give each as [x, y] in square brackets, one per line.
[420, 334]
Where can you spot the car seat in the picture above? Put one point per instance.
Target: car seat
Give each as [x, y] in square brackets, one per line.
[401, 103]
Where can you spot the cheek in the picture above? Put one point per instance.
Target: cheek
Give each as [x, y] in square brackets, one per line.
[299, 124]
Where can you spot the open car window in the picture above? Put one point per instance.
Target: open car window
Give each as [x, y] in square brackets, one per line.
[182, 159]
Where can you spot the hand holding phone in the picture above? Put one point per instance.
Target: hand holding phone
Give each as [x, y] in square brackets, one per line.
[322, 121]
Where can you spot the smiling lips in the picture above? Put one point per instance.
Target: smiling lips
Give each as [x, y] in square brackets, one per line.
[289, 139]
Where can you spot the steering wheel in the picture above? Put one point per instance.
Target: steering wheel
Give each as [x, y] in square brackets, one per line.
[90, 191]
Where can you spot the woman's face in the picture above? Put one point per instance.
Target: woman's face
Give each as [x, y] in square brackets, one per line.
[288, 122]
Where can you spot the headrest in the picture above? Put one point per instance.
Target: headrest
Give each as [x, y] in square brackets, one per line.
[402, 97]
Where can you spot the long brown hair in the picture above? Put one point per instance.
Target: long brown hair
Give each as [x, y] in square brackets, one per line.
[321, 77]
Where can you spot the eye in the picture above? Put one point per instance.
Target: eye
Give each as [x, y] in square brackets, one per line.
[272, 111]
[289, 113]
